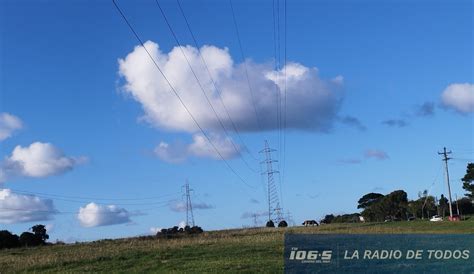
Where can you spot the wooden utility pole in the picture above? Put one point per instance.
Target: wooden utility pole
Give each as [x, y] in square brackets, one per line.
[445, 154]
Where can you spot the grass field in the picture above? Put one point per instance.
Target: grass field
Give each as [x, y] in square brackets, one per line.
[243, 250]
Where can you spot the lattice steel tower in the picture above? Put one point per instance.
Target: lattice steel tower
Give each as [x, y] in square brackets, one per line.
[189, 206]
[274, 210]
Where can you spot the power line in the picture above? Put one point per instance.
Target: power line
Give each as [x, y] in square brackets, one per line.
[91, 198]
[276, 53]
[177, 95]
[200, 85]
[245, 65]
[212, 79]
[84, 211]
[284, 103]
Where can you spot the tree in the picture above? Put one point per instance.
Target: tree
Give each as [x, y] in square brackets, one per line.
[393, 206]
[429, 207]
[443, 205]
[40, 231]
[328, 219]
[465, 206]
[369, 199]
[29, 239]
[8, 240]
[468, 181]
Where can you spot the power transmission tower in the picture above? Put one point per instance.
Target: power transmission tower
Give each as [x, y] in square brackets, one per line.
[189, 206]
[445, 154]
[274, 209]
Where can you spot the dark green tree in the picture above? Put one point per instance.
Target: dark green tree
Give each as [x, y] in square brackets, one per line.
[40, 231]
[393, 206]
[328, 219]
[468, 181]
[29, 239]
[369, 199]
[443, 206]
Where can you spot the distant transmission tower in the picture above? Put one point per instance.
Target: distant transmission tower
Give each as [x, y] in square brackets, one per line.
[189, 206]
[274, 210]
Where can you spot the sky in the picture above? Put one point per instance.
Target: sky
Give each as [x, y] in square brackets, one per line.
[95, 144]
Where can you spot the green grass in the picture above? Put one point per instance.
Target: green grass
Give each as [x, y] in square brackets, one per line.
[242, 250]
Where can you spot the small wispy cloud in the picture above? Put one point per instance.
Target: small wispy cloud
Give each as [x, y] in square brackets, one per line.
[425, 110]
[254, 201]
[352, 122]
[249, 214]
[376, 154]
[179, 206]
[395, 123]
[350, 161]
[8, 125]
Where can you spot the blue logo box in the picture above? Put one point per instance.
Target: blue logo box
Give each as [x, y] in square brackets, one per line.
[379, 253]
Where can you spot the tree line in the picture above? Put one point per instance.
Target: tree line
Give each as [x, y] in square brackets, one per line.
[37, 237]
[395, 206]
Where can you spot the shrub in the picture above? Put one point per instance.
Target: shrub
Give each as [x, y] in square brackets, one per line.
[175, 232]
[282, 224]
[270, 224]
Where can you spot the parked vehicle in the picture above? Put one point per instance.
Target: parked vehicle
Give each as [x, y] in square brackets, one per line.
[436, 218]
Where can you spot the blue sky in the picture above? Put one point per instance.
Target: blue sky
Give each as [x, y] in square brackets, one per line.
[60, 76]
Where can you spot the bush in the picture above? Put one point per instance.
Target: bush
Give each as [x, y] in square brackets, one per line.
[282, 224]
[8, 240]
[327, 219]
[270, 224]
[176, 232]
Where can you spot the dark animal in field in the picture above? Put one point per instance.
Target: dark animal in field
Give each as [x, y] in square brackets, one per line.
[310, 223]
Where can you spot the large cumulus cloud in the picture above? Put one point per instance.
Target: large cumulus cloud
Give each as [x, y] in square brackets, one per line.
[92, 215]
[37, 160]
[459, 97]
[19, 208]
[312, 102]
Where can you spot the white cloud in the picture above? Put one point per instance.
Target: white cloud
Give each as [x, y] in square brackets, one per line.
[19, 208]
[154, 230]
[459, 97]
[182, 224]
[8, 124]
[93, 215]
[37, 160]
[178, 206]
[200, 147]
[312, 103]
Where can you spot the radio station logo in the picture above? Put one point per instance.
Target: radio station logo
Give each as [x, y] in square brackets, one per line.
[310, 256]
